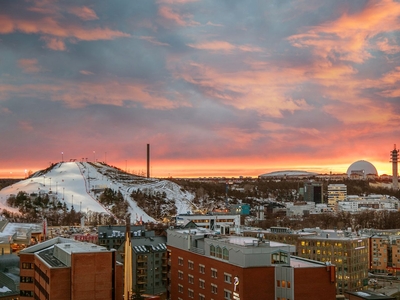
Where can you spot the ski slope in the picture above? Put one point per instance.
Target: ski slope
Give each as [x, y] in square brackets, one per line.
[74, 183]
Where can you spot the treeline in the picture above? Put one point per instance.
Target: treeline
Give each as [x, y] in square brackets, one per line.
[156, 205]
[115, 202]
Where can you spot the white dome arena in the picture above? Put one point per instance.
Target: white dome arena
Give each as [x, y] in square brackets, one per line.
[362, 167]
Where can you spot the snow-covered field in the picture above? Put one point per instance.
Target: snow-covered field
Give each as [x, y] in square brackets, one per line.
[72, 183]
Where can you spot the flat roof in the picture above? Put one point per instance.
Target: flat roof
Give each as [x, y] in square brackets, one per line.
[80, 247]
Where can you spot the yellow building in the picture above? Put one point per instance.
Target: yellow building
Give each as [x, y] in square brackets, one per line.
[349, 253]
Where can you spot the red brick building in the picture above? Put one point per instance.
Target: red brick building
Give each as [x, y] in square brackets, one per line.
[205, 266]
[65, 269]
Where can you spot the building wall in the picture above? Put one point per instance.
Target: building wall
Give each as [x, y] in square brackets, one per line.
[254, 282]
[91, 275]
[27, 271]
[303, 279]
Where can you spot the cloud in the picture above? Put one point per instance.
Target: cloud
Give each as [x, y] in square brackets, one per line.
[54, 43]
[84, 72]
[29, 65]
[349, 35]
[152, 39]
[85, 13]
[169, 14]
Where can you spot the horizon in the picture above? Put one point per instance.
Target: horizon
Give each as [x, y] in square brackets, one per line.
[22, 174]
[217, 88]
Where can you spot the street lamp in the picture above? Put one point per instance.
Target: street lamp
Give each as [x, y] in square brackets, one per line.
[44, 180]
[63, 194]
[94, 156]
[50, 183]
[62, 156]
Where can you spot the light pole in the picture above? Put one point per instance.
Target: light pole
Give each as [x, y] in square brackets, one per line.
[62, 156]
[94, 156]
[50, 183]
[44, 180]
[63, 194]
[56, 187]
[105, 157]
[126, 165]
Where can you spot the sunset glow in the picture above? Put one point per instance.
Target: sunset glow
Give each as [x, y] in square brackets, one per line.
[217, 88]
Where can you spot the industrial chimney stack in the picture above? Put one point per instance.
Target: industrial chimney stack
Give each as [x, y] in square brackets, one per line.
[394, 155]
[148, 160]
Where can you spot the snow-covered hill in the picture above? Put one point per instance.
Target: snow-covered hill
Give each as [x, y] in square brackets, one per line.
[76, 183]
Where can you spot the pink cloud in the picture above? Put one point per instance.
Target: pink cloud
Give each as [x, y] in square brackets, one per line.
[84, 93]
[214, 46]
[54, 43]
[29, 65]
[152, 40]
[84, 72]
[85, 13]
[170, 15]
[25, 126]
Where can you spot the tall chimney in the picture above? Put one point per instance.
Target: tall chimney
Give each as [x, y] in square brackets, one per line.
[148, 160]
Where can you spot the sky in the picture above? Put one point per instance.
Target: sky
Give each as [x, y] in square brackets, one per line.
[217, 88]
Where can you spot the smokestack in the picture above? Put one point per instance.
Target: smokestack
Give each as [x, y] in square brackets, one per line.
[394, 155]
[148, 160]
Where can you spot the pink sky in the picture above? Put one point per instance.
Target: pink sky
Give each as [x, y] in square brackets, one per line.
[218, 88]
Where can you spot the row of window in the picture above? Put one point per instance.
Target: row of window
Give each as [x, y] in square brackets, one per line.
[219, 252]
[214, 290]
[214, 274]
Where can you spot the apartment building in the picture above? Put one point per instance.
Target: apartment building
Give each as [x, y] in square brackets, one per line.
[204, 265]
[347, 251]
[212, 221]
[336, 193]
[66, 269]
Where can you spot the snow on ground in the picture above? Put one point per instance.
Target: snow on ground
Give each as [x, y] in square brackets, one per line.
[72, 182]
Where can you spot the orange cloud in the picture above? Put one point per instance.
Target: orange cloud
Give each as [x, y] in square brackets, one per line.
[350, 35]
[29, 65]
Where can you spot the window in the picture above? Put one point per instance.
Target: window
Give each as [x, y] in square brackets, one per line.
[214, 288]
[227, 294]
[218, 252]
[202, 284]
[190, 265]
[190, 279]
[190, 293]
[214, 273]
[278, 283]
[283, 283]
[288, 284]
[180, 288]
[27, 266]
[212, 250]
[202, 269]
[180, 261]
[227, 277]
[202, 297]
[225, 254]
[180, 274]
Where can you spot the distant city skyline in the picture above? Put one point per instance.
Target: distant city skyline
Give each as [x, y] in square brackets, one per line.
[217, 88]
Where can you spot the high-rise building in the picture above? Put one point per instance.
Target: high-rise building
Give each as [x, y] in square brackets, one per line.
[207, 266]
[66, 269]
[336, 192]
[313, 192]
